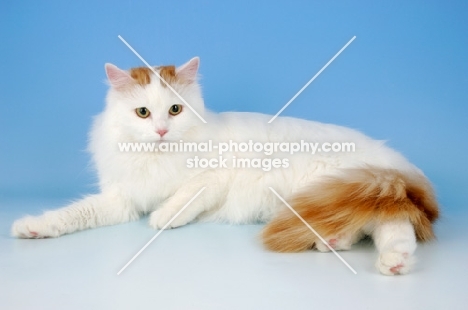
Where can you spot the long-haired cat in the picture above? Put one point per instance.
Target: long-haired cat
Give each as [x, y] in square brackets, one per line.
[344, 196]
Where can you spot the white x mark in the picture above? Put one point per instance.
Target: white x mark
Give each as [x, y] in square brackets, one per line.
[313, 230]
[164, 81]
[311, 80]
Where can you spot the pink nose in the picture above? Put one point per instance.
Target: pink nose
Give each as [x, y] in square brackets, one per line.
[161, 132]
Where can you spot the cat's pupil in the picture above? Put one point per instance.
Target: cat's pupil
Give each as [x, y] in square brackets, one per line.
[142, 112]
[175, 108]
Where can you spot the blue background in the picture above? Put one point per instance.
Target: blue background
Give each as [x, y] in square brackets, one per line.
[404, 79]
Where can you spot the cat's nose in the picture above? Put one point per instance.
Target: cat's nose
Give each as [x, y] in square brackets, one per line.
[161, 132]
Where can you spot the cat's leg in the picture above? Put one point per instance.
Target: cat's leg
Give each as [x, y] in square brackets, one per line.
[90, 212]
[216, 183]
[396, 243]
[339, 242]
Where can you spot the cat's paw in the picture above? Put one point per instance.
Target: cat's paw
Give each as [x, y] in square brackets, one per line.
[162, 216]
[34, 228]
[338, 243]
[395, 263]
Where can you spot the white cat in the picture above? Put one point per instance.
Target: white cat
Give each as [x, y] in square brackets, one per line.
[371, 190]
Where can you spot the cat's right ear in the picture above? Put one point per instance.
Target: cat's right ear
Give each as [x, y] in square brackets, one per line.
[118, 78]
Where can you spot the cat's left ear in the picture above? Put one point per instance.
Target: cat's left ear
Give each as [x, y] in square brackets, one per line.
[188, 71]
[118, 78]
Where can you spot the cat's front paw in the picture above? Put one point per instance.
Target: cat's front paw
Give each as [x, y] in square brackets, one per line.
[394, 263]
[34, 228]
[161, 217]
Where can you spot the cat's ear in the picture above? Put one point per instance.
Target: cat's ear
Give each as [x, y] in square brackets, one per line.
[118, 78]
[188, 71]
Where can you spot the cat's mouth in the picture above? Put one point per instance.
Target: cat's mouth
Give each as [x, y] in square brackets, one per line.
[162, 140]
[152, 139]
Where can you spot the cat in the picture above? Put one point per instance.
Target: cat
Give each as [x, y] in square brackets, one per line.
[370, 191]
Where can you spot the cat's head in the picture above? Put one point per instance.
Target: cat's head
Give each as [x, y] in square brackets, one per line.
[145, 108]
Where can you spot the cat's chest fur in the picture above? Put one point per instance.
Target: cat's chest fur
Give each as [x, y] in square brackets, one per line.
[146, 179]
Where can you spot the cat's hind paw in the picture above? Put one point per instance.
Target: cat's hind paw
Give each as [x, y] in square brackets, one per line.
[33, 228]
[395, 263]
[340, 242]
[335, 243]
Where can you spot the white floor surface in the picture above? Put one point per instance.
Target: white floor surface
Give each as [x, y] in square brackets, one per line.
[215, 266]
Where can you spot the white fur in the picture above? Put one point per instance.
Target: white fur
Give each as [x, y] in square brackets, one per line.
[396, 243]
[133, 184]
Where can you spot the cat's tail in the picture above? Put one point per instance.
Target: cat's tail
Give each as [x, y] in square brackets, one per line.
[345, 203]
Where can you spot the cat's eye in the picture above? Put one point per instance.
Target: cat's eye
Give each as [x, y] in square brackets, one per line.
[175, 109]
[142, 112]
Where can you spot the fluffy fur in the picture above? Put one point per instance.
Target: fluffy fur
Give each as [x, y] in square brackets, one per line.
[384, 203]
[373, 191]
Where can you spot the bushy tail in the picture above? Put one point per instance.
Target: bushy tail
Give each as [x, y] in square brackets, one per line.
[346, 203]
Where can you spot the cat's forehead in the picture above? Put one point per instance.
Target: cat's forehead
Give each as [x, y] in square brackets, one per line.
[144, 75]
